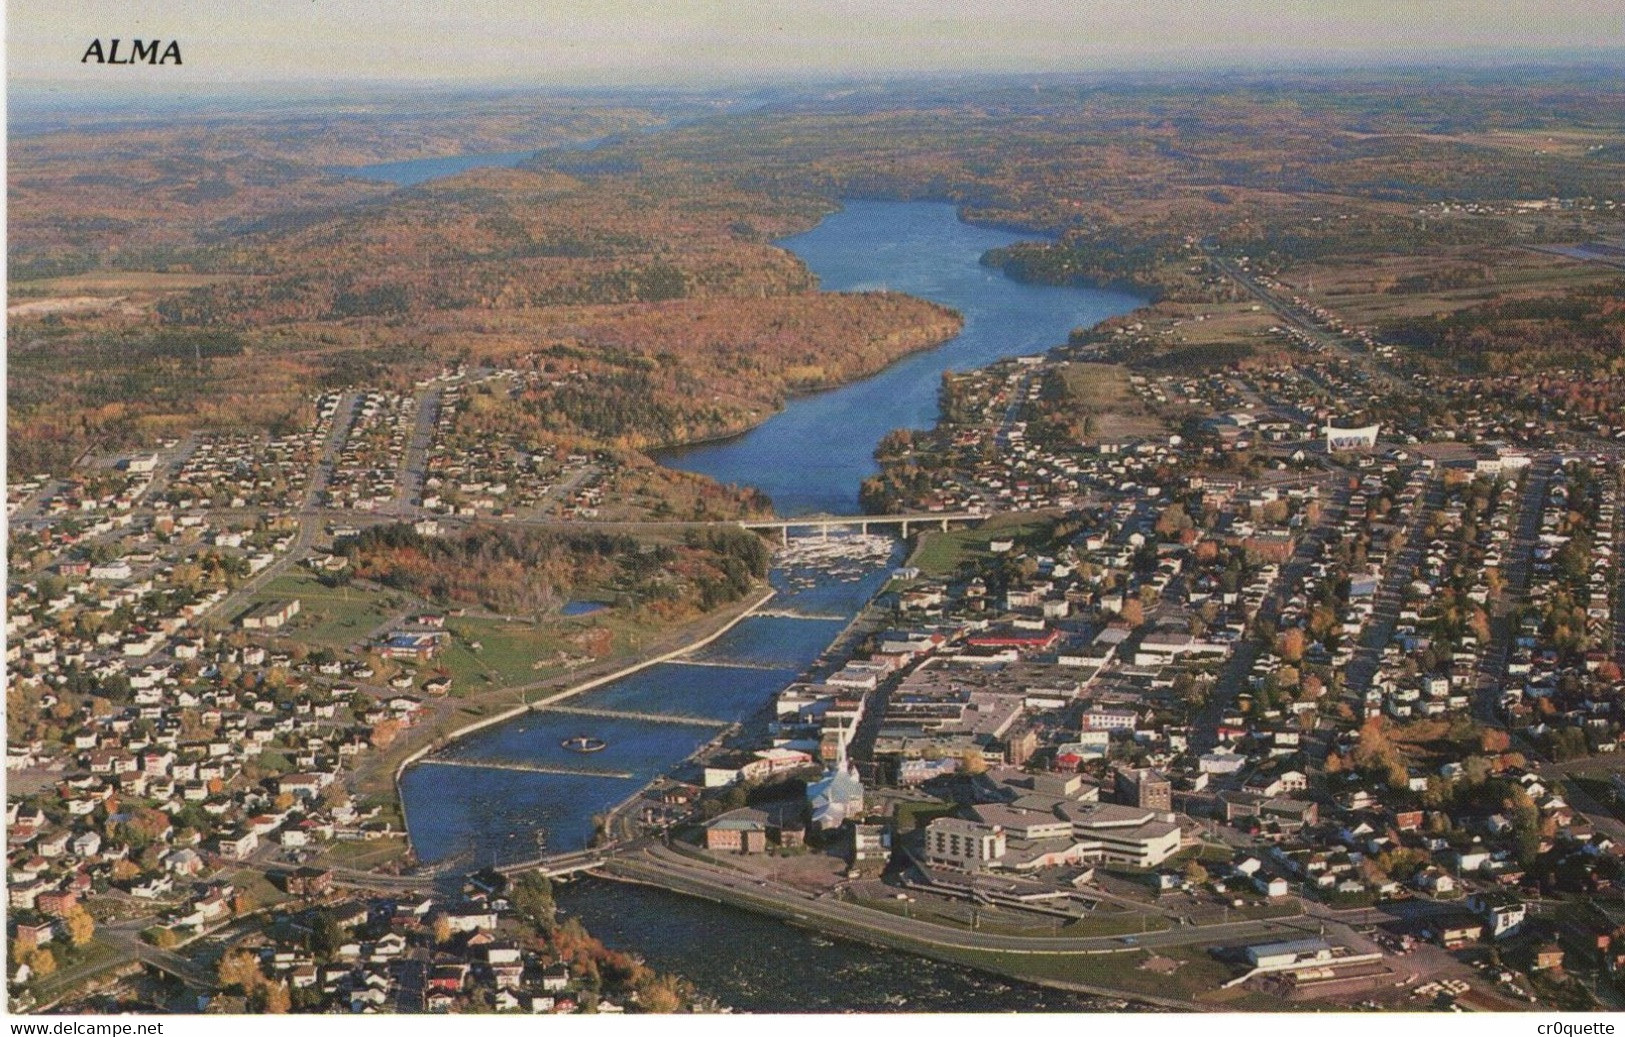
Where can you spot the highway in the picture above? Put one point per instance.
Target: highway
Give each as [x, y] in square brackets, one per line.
[658, 866]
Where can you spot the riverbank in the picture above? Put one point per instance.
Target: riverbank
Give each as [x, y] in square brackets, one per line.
[920, 340]
[708, 631]
[811, 458]
[814, 455]
[886, 931]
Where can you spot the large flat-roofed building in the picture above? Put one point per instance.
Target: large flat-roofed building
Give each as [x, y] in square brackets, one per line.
[1288, 953]
[269, 615]
[1125, 835]
[1023, 824]
[739, 832]
[141, 464]
[953, 842]
[412, 645]
[1313, 968]
[1161, 647]
[1100, 718]
[1502, 911]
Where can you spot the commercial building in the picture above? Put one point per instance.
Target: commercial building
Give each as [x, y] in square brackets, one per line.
[1338, 439]
[953, 842]
[1144, 787]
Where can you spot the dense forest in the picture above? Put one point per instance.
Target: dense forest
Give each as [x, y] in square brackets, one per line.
[209, 271]
[514, 570]
[1582, 330]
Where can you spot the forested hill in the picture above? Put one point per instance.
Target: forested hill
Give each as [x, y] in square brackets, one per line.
[666, 293]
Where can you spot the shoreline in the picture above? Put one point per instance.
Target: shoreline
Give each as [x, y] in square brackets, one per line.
[792, 395]
[878, 936]
[570, 692]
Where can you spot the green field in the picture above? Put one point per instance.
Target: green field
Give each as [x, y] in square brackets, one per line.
[345, 617]
[510, 652]
[507, 654]
[1356, 292]
[333, 617]
[939, 555]
[1015, 922]
[1197, 977]
[260, 892]
[363, 853]
[1103, 391]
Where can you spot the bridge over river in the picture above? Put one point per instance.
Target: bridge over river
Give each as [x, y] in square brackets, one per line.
[558, 864]
[725, 664]
[825, 523]
[527, 768]
[631, 714]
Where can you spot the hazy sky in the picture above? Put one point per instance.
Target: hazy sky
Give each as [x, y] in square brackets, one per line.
[673, 41]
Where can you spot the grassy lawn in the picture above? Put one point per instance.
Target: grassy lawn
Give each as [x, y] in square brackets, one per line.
[1015, 922]
[509, 651]
[260, 891]
[363, 853]
[1285, 909]
[1225, 323]
[73, 971]
[336, 617]
[1102, 392]
[507, 655]
[941, 554]
[1197, 977]
[1098, 386]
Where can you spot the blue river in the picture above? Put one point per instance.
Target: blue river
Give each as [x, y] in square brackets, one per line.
[813, 456]
[809, 458]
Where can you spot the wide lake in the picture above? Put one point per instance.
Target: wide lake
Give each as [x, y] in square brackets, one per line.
[813, 456]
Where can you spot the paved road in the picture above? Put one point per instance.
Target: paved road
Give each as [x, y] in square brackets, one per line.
[1518, 554]
[415, 458]
[1619, 574]
[309, 516]
[1287, 582]
[1289, 313]
[1379, 627]
[669, 870]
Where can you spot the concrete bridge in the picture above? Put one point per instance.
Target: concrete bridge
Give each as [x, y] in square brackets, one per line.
[558, 864]
[725, 664]
[798, 614]
[168, 962]
[527, 768]
[824, 523]
[628, 714]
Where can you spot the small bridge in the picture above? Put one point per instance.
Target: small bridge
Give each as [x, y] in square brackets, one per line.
[724, 664]
[828, 617]
[628, 714]
[172, 964]
[529, 768]
[558, 864]
[824, 523]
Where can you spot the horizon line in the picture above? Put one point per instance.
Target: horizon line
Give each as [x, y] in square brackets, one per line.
[1511, 60]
